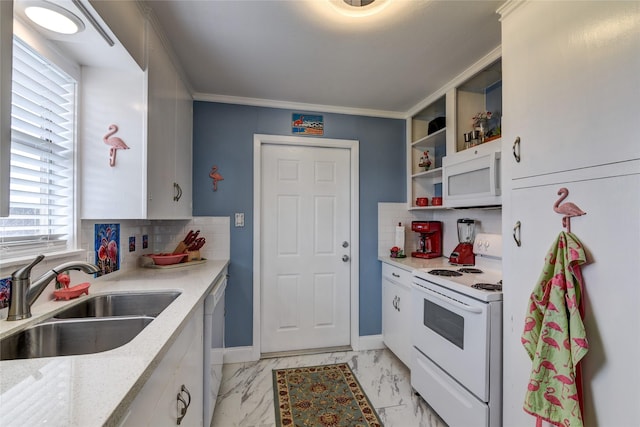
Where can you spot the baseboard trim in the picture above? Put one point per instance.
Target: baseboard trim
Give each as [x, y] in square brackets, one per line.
[369, 342]
[248, 353]
[240, 355]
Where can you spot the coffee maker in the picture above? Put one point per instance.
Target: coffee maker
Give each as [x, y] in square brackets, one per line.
[430, 239]
[463, 253]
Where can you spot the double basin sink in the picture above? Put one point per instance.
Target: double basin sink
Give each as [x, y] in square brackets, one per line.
[95, 324]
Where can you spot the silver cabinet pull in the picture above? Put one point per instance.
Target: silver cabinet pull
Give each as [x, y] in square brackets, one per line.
[395, 274]
[182, 411]
[516, 153]
[516, 234]
[398, 304]
[345, 258]
[345, 244]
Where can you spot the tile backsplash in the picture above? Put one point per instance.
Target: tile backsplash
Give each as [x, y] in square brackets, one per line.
[389, 214]
[163, 236]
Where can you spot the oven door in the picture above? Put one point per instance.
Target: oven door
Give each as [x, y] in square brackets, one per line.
[452, 330]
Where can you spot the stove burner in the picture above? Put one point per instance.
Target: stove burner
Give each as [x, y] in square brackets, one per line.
[449, 273]
[488, 286]
[470, 270]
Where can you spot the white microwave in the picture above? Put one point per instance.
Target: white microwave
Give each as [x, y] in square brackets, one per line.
[472, 177]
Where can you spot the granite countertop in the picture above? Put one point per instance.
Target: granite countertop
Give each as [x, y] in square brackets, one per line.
[409, 263]
[96, 389]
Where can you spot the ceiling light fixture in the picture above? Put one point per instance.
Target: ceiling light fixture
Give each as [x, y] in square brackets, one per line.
[53, 17]
[358, 3]
[359, 8]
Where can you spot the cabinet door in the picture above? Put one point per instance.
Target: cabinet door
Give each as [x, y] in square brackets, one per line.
[571, 86]
[190, 374]
[161, 130]
[396, 317]
[183, 150]
[609, 232]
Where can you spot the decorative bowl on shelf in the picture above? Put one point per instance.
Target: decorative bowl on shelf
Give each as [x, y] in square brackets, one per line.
[166, 259]
[422, 201]
[436, 201]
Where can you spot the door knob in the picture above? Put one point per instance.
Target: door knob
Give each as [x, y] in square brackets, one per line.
[345, 258]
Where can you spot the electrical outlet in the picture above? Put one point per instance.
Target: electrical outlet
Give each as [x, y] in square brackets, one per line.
[240, 219]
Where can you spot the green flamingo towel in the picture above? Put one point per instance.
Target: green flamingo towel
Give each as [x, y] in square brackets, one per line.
[554, 336]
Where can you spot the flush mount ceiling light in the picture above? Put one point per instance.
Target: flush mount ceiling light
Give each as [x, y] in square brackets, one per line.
[359, 8]
[53, 17]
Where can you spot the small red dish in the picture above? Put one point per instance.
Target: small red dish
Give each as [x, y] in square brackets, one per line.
[422, 201]
[166, 259]
[436, 201]
[72, 292]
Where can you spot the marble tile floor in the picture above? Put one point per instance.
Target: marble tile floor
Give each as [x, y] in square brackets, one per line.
[246, 394]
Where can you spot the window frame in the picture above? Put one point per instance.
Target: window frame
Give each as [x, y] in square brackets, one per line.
[53, 54]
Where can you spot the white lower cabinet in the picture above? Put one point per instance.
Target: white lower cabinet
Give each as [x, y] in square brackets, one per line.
[396, 311]
[173, 393]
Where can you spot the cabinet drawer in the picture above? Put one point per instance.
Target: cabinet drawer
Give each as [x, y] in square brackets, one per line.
[396, 274]
[448, 398]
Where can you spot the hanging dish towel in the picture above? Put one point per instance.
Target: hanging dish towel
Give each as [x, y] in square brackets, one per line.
[555, 338]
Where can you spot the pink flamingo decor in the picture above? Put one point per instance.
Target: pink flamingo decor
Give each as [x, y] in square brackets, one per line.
[215, 176]
[115, 143]
[567, 209]
[549, 394]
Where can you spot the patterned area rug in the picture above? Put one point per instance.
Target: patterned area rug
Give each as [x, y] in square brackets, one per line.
[321, 396]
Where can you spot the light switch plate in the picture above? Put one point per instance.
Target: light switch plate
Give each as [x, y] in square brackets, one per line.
[240, 219]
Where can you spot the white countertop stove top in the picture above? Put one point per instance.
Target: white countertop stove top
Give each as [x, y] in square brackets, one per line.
[487, 270]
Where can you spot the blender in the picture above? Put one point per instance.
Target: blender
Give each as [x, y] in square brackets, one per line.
[463, 253]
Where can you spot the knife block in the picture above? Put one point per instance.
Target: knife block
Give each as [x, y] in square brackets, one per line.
[180, 249]
[193, 256]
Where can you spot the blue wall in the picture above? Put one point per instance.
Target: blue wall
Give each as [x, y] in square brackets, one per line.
[223, 136]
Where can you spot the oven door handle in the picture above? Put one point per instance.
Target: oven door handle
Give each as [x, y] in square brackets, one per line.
[453, 302]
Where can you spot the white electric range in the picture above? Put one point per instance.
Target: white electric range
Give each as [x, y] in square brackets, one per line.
[457, 337]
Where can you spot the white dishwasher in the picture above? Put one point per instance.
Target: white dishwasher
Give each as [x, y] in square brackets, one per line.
[213, 346]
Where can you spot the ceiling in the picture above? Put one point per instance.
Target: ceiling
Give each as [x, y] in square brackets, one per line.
[306, 53]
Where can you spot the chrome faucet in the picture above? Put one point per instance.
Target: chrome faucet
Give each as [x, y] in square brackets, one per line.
[23, 293]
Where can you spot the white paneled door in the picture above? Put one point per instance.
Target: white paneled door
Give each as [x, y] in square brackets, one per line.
[305, 247]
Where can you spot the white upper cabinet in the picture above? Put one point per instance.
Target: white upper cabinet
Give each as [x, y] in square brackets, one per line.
[562, 98]
[169, 136]
[152, 109]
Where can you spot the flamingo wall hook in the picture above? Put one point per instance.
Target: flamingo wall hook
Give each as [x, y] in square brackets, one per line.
[115, 143]
[215, 176]
[567, 209]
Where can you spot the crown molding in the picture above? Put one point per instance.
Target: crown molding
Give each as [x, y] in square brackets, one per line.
[286, 105]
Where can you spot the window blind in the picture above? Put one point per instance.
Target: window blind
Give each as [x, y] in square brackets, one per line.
[42, 155]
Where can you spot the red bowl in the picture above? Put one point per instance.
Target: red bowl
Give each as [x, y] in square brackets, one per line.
[436, 201]
[422, 201]
[166, 259]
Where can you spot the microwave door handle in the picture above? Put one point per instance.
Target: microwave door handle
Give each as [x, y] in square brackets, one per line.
[454, 303]
[494, 158]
